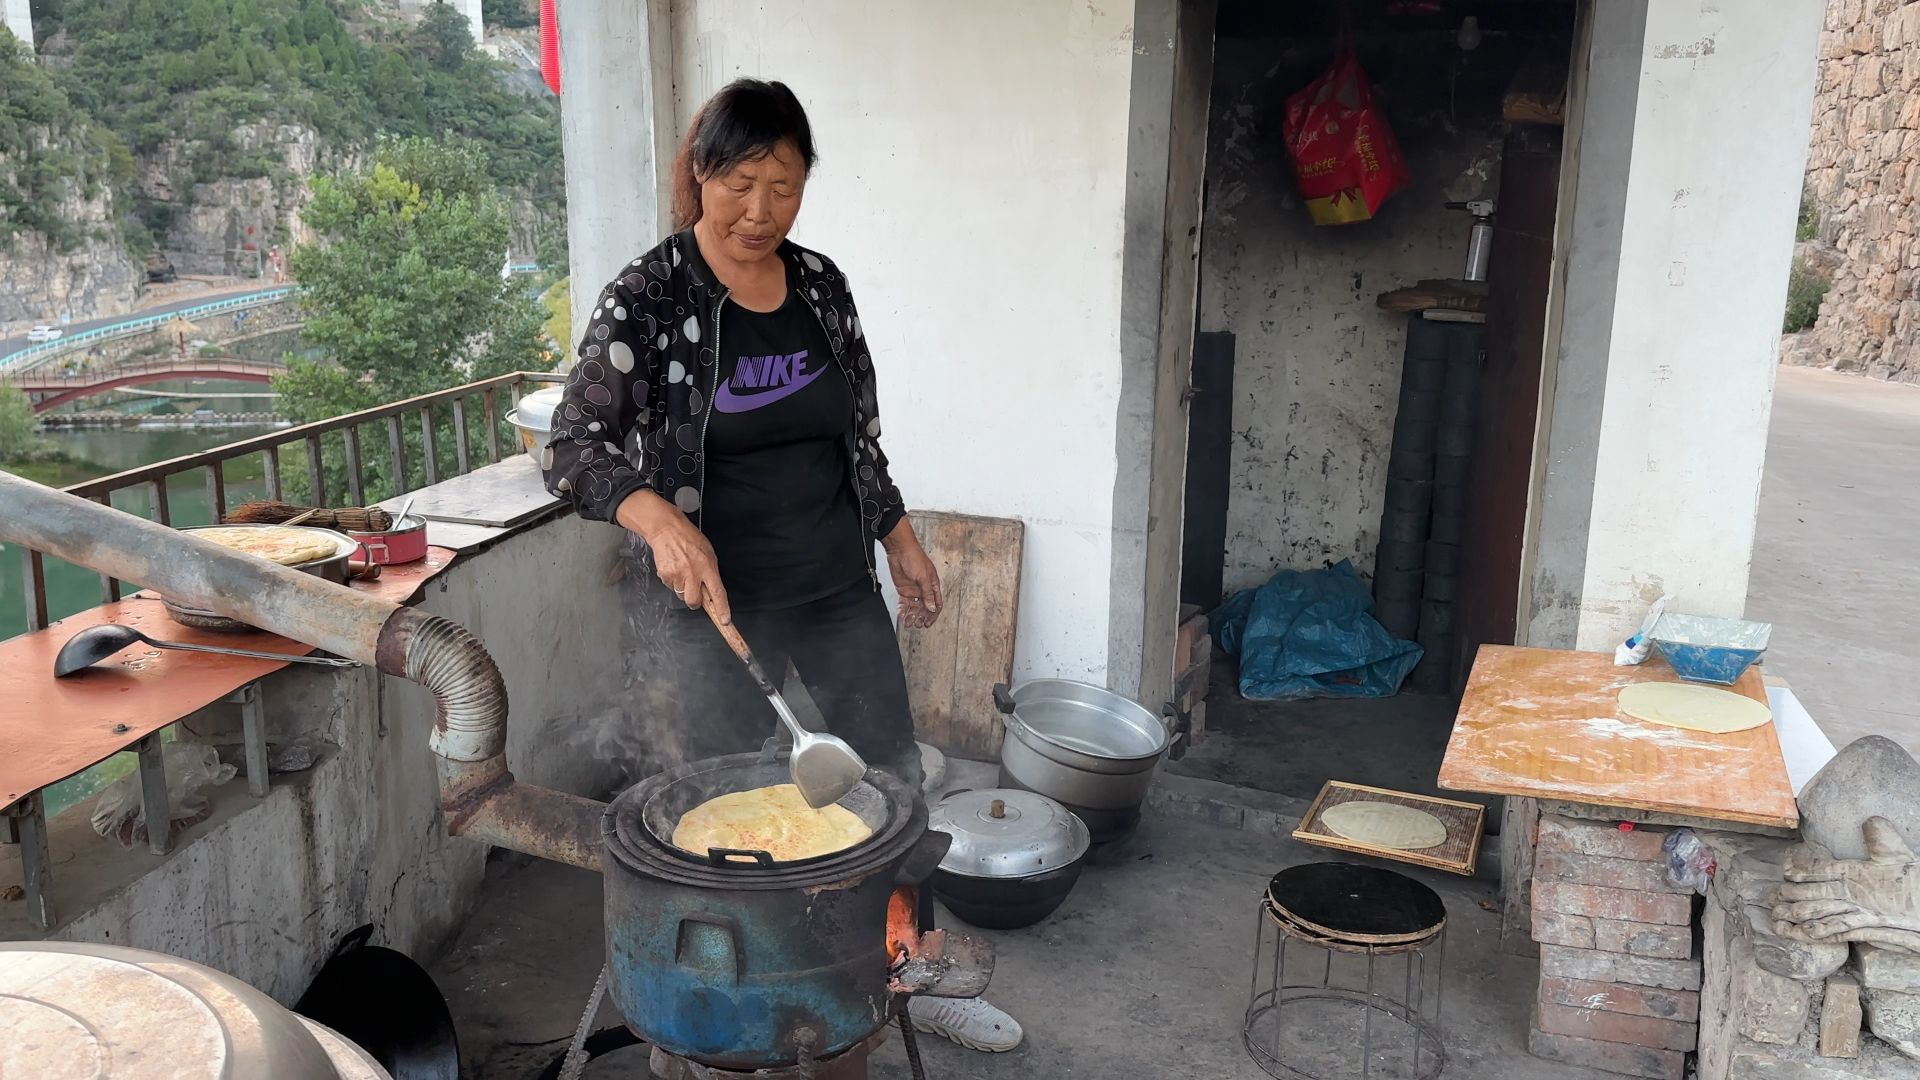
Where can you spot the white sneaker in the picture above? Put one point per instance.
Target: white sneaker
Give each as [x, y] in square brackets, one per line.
[971, 1022]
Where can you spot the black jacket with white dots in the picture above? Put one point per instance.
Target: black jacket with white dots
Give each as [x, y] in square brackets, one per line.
[635, 410]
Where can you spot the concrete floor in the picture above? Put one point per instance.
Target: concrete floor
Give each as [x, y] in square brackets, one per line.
[1836, 565]
[1143, 973]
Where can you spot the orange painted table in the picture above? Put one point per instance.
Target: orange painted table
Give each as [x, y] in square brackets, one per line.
[53, 728]
[1546, 724]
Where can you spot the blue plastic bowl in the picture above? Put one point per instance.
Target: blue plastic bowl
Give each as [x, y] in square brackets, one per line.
[1710, 650]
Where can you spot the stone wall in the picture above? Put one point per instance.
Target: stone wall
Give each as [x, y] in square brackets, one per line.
[1863, 172]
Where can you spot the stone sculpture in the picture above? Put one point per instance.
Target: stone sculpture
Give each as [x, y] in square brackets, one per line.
[1854, 880]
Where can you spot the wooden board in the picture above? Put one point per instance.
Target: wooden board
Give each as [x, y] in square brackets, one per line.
[53, 728]
[953, 664]
[1462, 819]
[1546, 724]
[502, 495]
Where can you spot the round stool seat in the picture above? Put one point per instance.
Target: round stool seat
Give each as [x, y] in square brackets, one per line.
[1359, 905]
[1361, 939]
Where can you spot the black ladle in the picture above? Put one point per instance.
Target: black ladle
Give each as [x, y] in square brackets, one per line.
[96, 643]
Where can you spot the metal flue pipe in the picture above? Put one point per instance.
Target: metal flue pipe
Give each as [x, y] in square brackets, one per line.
[478, 795]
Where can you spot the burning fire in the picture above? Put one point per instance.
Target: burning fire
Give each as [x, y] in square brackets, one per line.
[903, 924]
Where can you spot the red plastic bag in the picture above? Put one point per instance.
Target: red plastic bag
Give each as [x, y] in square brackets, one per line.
[1346, 157]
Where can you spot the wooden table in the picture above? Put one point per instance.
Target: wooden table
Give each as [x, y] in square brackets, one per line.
[1545, 724]
[53, 728]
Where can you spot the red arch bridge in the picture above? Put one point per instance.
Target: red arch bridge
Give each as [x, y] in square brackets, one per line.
[51, 389]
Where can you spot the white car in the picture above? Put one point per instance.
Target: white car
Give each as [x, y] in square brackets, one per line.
[44, 333]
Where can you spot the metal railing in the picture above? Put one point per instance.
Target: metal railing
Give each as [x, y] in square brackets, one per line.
[40, 352]
[313, 439]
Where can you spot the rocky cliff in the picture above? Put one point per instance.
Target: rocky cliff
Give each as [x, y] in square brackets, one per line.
[1863, 173]
[40, 282]
[210, 224]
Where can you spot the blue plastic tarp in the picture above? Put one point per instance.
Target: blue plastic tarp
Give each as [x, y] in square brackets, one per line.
[1311, 633]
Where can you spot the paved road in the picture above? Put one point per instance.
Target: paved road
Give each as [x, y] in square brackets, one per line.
[19, 340]
[1836, 566]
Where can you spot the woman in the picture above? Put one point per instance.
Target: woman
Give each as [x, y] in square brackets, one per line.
[723, 409]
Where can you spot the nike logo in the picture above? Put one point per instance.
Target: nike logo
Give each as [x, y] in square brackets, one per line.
[759, 381]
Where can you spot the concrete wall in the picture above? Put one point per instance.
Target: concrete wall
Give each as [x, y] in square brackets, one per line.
[263, 890]
[971, 182]
[1316, 363]
[18, 16]
[1665, 371]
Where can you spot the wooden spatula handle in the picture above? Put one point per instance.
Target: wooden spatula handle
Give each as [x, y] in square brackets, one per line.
[742, 650]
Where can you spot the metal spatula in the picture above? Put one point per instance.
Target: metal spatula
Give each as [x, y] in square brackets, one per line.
[823, 766]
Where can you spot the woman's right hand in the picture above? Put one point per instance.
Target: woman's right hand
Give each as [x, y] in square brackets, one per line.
[681, 554]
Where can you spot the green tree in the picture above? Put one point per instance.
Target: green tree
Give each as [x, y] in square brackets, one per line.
[19, 428]
[404, 291]
[444, 37]
[508, 13]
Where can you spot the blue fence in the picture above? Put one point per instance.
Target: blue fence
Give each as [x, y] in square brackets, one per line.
[34, 355]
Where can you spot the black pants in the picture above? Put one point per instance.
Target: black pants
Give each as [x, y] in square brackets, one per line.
[843, 648]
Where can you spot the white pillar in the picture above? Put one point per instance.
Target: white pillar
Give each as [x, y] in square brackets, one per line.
[1689, 153]
[616, 118]
[475, 19]
[19, 19]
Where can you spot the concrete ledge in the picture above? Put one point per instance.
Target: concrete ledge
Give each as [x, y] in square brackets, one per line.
[1226, 805]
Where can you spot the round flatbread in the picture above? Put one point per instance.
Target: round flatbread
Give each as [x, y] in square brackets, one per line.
[776, 820]
[1695, 708]
[1385, 824]
[275, 543]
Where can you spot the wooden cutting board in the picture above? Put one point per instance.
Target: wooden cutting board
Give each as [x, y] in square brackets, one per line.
[953, 665]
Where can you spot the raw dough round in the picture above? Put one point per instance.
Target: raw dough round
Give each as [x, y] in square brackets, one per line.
[1695, 708]
[1385, 824]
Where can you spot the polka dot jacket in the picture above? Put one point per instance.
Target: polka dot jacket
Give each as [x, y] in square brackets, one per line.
[635, 410]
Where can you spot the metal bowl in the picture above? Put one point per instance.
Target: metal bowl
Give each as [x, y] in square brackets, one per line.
[1083, 746]
[331, 568]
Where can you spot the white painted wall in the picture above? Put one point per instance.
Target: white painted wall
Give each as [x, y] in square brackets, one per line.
[971, 183]
[1672, 310]
[19, 19]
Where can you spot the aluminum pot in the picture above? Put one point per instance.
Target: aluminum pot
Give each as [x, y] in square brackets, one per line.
[1082, 745]
[1015, 856]
[406, 542]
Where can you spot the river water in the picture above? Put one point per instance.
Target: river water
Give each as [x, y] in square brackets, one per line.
[112, 450]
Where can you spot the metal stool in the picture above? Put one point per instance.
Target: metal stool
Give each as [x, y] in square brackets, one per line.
[1305, 1019]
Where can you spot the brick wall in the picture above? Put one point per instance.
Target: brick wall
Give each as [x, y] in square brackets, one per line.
[1619, 968]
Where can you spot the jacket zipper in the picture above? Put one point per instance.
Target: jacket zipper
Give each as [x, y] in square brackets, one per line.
[713, 391]
[853, 456]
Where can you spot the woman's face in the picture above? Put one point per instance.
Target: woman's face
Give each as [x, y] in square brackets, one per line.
[750, 207]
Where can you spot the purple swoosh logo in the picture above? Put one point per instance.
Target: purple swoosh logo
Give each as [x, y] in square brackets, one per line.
[759, 381]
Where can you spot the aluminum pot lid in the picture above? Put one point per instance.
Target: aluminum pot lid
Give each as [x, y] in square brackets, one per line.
[1004, 833]
[536, 409]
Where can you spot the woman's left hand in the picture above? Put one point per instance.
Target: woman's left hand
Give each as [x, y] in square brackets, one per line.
[914, 576]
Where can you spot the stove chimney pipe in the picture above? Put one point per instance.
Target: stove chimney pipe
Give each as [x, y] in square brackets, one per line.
[478, 795]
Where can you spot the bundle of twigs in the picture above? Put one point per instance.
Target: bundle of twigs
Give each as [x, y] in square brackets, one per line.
[273, 512]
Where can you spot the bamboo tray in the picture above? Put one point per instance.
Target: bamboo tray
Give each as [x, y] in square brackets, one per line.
[1463, 821]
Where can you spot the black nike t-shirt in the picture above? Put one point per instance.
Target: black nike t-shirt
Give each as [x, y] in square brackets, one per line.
[779, 507]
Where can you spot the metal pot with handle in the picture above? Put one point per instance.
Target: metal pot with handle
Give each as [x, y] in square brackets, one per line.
[1081, 745]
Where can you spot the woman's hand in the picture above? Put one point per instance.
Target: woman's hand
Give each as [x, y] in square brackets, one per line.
[681, 554]
[914, 576]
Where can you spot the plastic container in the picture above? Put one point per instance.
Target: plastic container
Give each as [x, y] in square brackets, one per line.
[1705, 649]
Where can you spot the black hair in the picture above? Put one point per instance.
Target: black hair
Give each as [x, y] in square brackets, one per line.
[743, 122]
